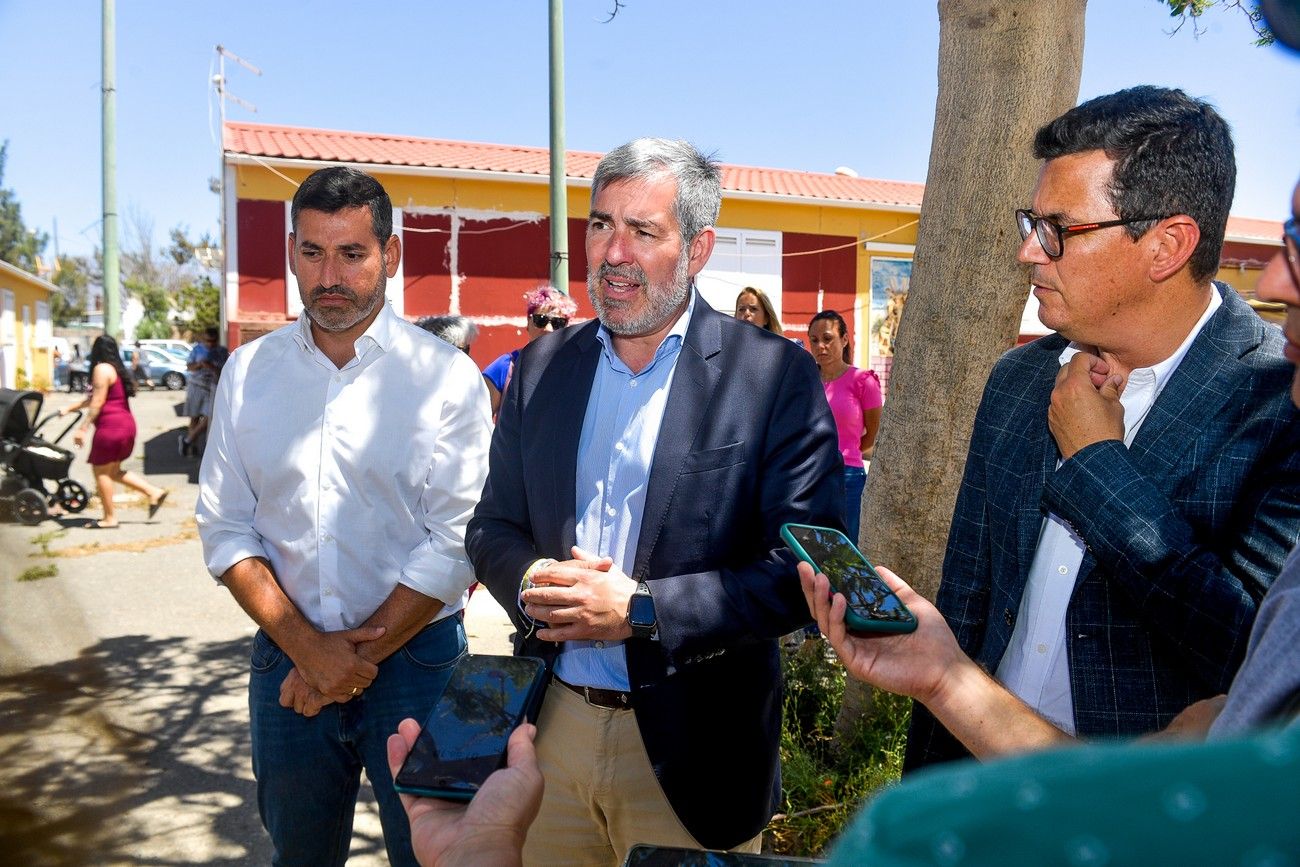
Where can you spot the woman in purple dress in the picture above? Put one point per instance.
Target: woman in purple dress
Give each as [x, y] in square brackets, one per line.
[114, 439]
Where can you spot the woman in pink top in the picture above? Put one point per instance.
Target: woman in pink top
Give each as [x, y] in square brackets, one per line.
[114, 440]
[854, 396]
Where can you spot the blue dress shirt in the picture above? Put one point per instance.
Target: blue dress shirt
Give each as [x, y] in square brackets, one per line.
[615, 456]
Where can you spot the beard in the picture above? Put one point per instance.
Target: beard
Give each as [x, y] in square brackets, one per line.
[336, 319]
[661, 301]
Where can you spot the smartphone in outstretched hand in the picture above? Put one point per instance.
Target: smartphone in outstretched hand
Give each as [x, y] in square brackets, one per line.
[872, 607]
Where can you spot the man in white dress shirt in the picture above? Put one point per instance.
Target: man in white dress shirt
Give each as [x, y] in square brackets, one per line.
[346, 455]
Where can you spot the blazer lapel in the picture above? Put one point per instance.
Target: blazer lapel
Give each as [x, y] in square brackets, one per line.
[694, 381]
[1040, 447]
[563, 395]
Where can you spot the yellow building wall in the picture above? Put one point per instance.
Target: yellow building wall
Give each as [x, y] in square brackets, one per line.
[32, 363]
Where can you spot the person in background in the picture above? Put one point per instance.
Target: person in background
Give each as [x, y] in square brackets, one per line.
[114, 441]
[549, 309]
[138, 371]
[856, 402]
[204, 366]
[753, 306]
[459, 331]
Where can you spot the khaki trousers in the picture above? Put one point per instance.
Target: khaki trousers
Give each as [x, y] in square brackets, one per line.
[601, 794]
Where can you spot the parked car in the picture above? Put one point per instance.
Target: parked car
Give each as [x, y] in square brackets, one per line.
[175, 347]
[160, 367]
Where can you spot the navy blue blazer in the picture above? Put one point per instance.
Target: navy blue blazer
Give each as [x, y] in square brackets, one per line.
[1185, 530]
[747, 443]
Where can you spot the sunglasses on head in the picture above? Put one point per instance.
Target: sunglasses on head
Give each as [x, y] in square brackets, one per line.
[541, 321]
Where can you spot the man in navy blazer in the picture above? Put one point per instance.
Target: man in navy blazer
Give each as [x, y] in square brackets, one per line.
[1133, 481]
[641, 469]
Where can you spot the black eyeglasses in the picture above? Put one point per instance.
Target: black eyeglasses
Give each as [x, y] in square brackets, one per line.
[556, 322]
[1291, 243]
[1052, 235]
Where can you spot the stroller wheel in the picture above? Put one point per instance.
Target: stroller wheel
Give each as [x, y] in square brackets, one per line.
[72, 496]
[29, 506]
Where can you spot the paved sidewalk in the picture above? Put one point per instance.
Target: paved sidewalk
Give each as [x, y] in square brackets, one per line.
[123, 683]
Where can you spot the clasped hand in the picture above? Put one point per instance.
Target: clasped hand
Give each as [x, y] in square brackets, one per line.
[1085, 407]
[329, 670]
[585, 598]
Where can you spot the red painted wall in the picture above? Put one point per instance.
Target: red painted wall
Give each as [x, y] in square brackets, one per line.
[261, 257]
[424, 264]
[834, 272]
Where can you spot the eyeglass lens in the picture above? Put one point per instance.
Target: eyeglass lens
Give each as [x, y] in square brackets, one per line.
[1048, 234]
[1291, 246]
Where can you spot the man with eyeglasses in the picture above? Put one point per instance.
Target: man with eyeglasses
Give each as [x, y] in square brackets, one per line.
[549, 309]
[1133, 480]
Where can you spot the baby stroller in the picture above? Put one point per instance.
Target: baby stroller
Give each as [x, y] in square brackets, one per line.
[29, 461]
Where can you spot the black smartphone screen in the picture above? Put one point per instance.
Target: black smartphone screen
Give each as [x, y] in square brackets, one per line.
[850, 573]
[464, 738]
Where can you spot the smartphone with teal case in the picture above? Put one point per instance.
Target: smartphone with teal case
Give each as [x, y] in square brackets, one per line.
[873, 608]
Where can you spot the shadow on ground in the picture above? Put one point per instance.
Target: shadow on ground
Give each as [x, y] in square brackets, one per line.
[162, 458]
[116, 757]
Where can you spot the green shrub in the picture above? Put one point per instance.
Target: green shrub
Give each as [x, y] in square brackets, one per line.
[826, 779]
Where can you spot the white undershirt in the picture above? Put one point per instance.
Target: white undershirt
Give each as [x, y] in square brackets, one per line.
[1036, 665]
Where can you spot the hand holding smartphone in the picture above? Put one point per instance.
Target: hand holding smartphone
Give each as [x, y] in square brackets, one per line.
[464, 738]
[872, 607]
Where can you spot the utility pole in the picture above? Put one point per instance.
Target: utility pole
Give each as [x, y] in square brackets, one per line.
[112, 270]
[559, 191]
[219, 82]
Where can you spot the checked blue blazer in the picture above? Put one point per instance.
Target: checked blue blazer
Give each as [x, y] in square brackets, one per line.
[1185, 530]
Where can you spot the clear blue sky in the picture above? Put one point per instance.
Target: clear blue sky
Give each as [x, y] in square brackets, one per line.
[804, 86]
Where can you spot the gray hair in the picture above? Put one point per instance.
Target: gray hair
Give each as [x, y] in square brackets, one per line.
[699, 178]
[459, 331]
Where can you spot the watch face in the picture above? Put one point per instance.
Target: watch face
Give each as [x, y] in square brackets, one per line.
[641, 610]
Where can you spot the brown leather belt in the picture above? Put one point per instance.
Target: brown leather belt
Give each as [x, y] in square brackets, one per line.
[611, 699]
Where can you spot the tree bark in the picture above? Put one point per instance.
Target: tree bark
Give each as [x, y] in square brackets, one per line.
[1005, 69]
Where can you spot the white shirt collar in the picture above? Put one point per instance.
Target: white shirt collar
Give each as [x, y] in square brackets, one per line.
[678, 330]
[380, 333]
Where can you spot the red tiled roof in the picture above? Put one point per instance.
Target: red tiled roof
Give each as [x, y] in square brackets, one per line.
[289, 142]
[286, 142]
[1251, 230]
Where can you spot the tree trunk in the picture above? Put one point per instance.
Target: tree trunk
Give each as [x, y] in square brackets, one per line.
[1005, 69]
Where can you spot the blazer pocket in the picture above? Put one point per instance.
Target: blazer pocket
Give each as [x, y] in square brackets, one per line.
[714, 459]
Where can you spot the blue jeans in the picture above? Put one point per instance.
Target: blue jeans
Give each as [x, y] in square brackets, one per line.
[855, 480]
[308, 770]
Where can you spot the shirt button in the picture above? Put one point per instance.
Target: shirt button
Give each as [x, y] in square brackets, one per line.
[1064, 570]
[632, 383]
[618, 447]
[609, 510]
[1042, 648]
[600, 645]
